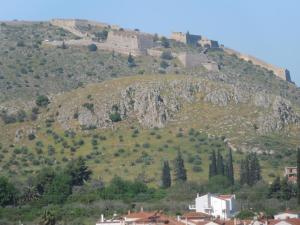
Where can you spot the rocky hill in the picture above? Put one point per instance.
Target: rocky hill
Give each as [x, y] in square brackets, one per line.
[131, 117]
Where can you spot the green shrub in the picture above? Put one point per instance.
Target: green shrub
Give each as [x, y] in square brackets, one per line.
[166, 55]
[42, 101]
[92, 48]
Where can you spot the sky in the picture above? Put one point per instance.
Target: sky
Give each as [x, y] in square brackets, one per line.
[267, 29]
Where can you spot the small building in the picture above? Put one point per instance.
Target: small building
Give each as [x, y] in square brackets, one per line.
[288, 214]
[291, 173]
[218, 206]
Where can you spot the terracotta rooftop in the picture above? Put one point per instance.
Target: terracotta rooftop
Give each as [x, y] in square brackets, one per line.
[190, 215]
[225, 197]
[288, 221]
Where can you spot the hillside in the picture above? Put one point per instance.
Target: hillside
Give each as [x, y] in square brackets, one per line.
[129, 118]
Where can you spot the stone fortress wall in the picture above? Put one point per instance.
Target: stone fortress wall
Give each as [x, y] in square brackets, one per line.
[126, 42]
[138, 43]
[190, 60]
[193, 39]
[279, 72]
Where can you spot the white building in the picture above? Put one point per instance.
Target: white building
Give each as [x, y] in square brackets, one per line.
[287, 215]
[222, 206]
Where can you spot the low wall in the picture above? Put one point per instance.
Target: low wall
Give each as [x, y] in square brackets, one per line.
[279, 72]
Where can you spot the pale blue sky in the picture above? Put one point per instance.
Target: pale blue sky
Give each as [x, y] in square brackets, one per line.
[268, 29]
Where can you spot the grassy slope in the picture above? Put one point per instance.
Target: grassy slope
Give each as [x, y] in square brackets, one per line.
[130, 154]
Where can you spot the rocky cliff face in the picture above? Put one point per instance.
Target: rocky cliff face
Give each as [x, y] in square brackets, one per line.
[155, 103]
[152, 104]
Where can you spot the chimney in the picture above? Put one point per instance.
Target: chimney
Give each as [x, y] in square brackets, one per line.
[102, 218]
[142, 209]
[197, 195]
[128, 212]
[178, 218]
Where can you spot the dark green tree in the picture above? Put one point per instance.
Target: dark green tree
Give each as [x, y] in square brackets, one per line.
[102, 35]
[286, 190]
[180, 171]
[92, 47]
[130, 61]
[250, 170]
[8, 192]
[165, 42]
[59, 189]
[166, 175]
[79, 171]
[220, 164]
[274, 188]
[254, 169]
[42, 101]
[298, 172]
[213, 165]
[229, 167]
[244, 172]
[44, 179]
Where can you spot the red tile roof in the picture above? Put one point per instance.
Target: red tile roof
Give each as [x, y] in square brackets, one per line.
[194, 215]
[288, 221]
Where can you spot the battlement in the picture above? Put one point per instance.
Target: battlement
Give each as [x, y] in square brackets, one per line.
[279, 72]
[193, 39]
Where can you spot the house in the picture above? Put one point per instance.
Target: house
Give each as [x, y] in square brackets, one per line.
[141, 218]
[293, 221]
[291, 173]
[288, 214]
[218, 206]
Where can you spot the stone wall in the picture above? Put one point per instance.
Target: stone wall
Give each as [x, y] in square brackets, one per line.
[206, 43]
[279, 72]
[190, 60]
[179, 36]
[126, 42]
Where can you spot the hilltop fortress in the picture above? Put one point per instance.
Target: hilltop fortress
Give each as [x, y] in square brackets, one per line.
[138, 43]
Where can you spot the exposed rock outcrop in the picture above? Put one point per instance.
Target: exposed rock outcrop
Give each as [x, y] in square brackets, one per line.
[281, 115]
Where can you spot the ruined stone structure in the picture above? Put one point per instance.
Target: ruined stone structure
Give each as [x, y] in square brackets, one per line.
[193, 39]
[291, 173]
[190, 60]
[73, 25]
[126, 42]
[206, 43]
[279, 72]
[185, 38]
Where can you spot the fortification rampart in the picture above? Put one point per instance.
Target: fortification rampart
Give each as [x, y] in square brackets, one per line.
[279, 72]
[126, 42]
[190, 60]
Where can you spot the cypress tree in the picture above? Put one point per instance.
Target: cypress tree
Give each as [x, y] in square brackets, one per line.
[274, 188]
[220, 164]
[213, 165]
[298, 174]
[286, 190]
[250, 170]
[180, 171]
[166, 176]
[229, 168]
[243, 173]
[254, 170]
